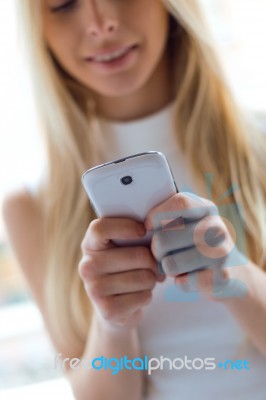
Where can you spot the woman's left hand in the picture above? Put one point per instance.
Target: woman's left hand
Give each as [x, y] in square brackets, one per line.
[192, 242]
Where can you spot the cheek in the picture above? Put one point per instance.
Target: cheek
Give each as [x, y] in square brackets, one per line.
[158, 33]
[63, 42]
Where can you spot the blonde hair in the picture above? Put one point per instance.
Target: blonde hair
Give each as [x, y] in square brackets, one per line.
[210, 129]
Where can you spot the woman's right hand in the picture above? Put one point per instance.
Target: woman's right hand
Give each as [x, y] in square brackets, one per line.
[118, 280]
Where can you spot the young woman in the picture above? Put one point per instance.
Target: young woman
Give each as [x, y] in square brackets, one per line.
[114, 78]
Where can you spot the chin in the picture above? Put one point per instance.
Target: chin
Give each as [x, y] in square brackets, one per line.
[120, 88]
[117, 93]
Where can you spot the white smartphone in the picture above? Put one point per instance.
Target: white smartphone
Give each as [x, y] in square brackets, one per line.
[130, 187]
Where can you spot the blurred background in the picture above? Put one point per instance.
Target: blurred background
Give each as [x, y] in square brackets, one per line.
[26, 354]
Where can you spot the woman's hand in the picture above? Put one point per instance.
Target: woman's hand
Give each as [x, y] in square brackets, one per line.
[118, 280]
[193, 244]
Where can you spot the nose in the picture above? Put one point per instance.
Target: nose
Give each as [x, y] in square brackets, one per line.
[101, 23]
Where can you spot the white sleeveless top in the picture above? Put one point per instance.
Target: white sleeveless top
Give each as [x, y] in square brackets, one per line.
[174, 329]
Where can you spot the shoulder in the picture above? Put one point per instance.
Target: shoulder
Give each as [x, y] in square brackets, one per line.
[23, 221]
[19, 203]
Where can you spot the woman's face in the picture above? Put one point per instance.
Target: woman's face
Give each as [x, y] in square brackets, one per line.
[134, 32]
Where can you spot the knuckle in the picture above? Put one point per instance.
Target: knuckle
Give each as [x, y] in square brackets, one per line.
[95, 289]
[92, 232]
[182, 201]
[84, 245]
[101, 228]
[97, 227]
[212, 208]
[82, 269]
[87, 267]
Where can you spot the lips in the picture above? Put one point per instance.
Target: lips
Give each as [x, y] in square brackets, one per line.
[111, 54]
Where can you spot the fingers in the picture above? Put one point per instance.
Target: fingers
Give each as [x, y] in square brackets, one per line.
[122, 283]
[116, 285]
[118, 280]
[116, 260]
[178, 238]
[184, 245]
[101, 231]
[184, 205]
[188, 261]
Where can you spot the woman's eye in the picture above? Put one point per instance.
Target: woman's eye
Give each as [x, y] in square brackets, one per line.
[64, 7]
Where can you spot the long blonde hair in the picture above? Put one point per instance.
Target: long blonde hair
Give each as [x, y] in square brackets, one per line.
[210, 129]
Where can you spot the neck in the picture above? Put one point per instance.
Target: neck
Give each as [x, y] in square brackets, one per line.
[152, 97]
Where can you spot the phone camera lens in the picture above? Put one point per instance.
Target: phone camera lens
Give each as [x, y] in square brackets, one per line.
[126, 180]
